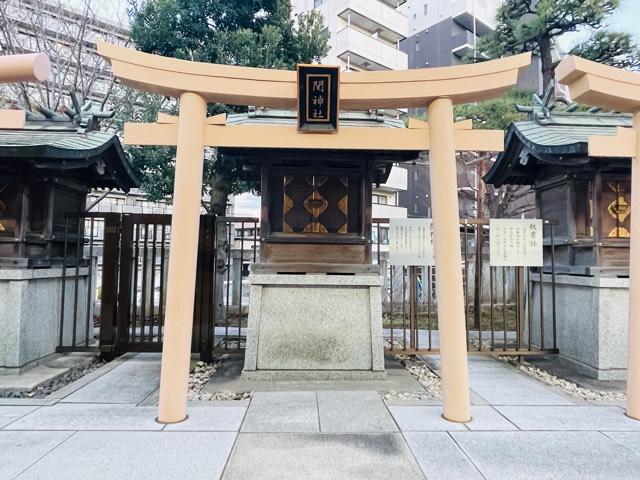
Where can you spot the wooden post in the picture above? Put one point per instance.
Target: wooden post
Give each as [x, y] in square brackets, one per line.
[633, 360]
[451, 321]
[176, 350]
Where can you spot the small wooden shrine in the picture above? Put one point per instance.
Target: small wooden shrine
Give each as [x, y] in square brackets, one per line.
[588, 196]
[46, 170]
[316, 205]
[47, 167]
[315, 252]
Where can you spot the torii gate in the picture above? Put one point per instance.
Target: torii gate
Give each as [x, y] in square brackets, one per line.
[616, 89]
[195, 84]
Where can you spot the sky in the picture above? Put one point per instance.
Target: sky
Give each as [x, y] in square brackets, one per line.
[627, 19]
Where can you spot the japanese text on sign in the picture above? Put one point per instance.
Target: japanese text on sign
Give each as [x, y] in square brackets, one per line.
[411, 241]
[515, 242]
[318, 105]
[318, 98]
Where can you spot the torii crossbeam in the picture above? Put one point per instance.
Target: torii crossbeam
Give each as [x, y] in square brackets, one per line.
[609, 87]
[198, 83]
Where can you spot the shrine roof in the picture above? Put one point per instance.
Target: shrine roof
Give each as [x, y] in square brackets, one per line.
[53, 146]
[549, 137]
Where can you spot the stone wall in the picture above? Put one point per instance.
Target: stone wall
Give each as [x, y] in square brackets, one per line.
[592, 322]
[30, 304]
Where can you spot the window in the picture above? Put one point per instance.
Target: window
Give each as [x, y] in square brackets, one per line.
[425, 9]
[379, 199]
[416, 176]
[417, 46]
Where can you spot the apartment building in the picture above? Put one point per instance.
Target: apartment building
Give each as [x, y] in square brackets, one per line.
[365, 35]
[443, 32]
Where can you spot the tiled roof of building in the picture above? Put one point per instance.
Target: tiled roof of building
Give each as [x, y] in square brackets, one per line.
[53, 146]
[550, 137]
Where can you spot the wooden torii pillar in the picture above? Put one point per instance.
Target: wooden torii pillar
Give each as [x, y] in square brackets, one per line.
[29, 67]
[196, 84]
[616, 89]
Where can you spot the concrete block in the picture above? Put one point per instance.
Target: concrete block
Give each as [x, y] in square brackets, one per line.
[422, 419]
[139, 455]
[129, 383]
[440, 458]
[314, 323]
[70, 416]
[282, 412]
[210, 419]
[10, 413]
[353, 412]
[569, 418]
[321, 457]
[548, 455]
[22, 449]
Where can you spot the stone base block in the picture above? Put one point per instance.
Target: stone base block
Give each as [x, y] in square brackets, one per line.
[314, 326]
[592, 322]
[30, 304]
[302, 375]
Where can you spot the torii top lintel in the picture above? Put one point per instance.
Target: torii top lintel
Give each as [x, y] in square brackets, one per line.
[277, 88]
[600, 85]
[607, 87]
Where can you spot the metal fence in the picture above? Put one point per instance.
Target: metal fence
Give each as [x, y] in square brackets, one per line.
[500, 314]
[114, 290]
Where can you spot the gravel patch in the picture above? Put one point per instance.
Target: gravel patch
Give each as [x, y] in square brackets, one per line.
[47, 388]
[421, 372]
[566, 386]
[199, 377]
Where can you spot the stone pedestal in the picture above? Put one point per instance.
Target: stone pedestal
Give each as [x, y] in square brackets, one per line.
[592, 322]
[314, 326]
[30, 314]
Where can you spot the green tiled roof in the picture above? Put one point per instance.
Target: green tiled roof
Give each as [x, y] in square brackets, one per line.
[559, 138]
[97, 157]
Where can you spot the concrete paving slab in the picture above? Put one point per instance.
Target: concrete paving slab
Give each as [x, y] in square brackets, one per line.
[487, 418]
[20, 450]
[30, 379]
[67, 416]
[548, 455]
[9, 414]
[321, 457]
[210, 419]
[353, 412]
[228, 378]
[282, 412]
[129, 383]
[510, 393]
[631, 440]
[139, 455]
[440, 458]
[422, 419]
[569, 418]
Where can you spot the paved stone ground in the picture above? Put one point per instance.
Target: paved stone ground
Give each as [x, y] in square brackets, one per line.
[102, 427]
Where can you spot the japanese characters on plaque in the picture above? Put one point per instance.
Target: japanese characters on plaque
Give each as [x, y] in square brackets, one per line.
[515, 242]
[411, 241]
[318, 98]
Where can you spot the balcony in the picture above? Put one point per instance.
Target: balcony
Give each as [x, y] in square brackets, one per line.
[464, 12]
[396, 182]
[463, 44]
[365, 52]
[388, 211]
[375, 17]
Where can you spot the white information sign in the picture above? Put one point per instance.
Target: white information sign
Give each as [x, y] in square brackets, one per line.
[411, 241]
[515, 242]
